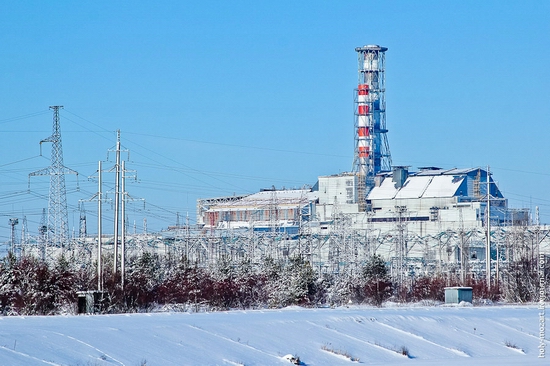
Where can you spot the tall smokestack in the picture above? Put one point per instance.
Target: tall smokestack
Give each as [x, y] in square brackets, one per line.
[372, 152]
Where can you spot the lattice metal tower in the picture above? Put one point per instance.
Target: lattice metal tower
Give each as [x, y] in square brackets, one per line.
[13, 222]
[58, 219]
[43, 234]
[372, 152]
[82, 228]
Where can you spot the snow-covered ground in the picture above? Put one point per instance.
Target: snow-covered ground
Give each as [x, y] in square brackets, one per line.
[436, 335]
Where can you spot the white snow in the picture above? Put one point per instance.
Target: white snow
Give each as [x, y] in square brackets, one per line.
[435, 335]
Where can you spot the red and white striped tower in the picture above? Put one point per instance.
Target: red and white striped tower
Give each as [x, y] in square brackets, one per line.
[364, 127]
[372, 153]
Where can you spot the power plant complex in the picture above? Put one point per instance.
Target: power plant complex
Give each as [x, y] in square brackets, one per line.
[417, 220]
[454, 220]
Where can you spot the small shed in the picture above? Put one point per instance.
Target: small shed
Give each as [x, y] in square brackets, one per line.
[89, 302]
[455, 295]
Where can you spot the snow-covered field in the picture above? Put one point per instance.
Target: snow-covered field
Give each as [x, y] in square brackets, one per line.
[439, 335]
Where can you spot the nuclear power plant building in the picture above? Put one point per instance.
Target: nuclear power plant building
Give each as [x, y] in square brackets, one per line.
[427, 213]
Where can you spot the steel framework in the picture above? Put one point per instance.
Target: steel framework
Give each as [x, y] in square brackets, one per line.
[454, 254]
[57, 233]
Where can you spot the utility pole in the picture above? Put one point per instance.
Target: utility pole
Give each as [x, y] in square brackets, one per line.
[488, 243]
[118, 194]
[117, 200]
[123, 236]
[463, 250]
[99, 199]
[124, 198]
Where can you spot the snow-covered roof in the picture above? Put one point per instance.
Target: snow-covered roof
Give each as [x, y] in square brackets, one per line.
[386, 190]
[421, 185]
[281, 197]
[454, 171]
[443, 186]
[413, 188]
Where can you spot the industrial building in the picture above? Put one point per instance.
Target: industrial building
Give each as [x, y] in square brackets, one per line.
[425, 204]
[429, 199]
[269, 208]
[431, 214]
[375, 192]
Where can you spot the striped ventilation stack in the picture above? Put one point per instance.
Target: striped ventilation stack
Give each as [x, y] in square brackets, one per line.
[372, 154]
[363, 134]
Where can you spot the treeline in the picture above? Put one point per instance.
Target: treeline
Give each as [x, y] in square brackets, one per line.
[29, 286]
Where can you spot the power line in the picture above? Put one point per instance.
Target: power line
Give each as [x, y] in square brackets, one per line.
[236, 145]
[25, 116]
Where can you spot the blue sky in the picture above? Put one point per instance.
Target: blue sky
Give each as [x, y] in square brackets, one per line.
[214, 98]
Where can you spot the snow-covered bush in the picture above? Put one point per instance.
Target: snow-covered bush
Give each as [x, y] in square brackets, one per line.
[428, 288]
[377, 286]
[29, 286]
[295, 284]
[521, 281]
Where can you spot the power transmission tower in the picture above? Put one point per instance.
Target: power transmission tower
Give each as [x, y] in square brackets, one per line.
[24, 235]
[13, 222]
[401, 244]
[43, 234]
[82, 229]
[58, 218]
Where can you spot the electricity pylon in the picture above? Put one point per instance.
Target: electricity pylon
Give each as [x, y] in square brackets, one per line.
[58, 218]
